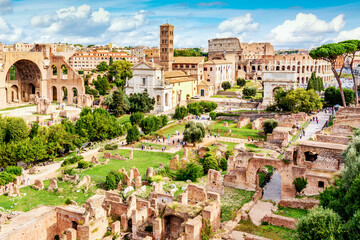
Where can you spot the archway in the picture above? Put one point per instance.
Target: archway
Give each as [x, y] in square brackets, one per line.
[158, 100]
[172, 225]
[269, 179]
[75, 94]
[166, 100]
[64, 72]
[64, 92]
[54, 94]
[54, 70]
[74, 225]
[26, 75]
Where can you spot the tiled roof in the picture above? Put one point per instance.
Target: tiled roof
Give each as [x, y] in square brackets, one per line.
[177, 76]
[191, 60]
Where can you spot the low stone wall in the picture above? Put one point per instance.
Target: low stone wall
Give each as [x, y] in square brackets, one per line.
[332, 139]
[280, 221]
[299, 203]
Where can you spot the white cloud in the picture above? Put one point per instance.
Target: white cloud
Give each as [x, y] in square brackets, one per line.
[347, 35]
[5, 5]
[126, 23]
[9, 32]
[238, 25]
[306, 29]
[81, 21]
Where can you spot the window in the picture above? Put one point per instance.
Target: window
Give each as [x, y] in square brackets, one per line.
[144, 81]
[210, 68]
[321, 184]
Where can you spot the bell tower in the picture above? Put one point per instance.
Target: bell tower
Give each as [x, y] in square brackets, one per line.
[166, 46]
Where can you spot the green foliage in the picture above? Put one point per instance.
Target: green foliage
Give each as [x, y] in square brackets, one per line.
[315, 83]
[102, 84]
[195, 52]
[112, 179]
[136, 118]
[84, 164]
[68, 201]
[141, 102]
[164, 120]
[72, 160]
[111, 147]
[15, 170]
[249, 92]
[120, 71]
[206, 231]
[352, 161]
[300, 184]
[156, 178]
[208, 106]
[102, 67]
[150, 124]
[209, 162]
[119, 103]
[226, 85]
[241, 82]
[15, 129]
[34, 130]
[320, 224]
[91, 91]
[192, 171]
[193, 132]
[133, 135]
[180, 112]
[223, 164]
[333, 97]
[195, 108]
[6, 177]
[269, 125]
[212, 115]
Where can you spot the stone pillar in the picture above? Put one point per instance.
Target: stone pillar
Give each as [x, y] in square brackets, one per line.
[115, 227]
[70, 96]
[162, 107]
[43, 88]
[3, 100]
[157, 229]
[131, 154]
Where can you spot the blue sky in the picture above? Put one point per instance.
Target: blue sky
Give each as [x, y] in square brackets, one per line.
[285, 24]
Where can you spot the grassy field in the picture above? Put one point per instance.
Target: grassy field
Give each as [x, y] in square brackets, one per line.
[222, 96]
[171, 130]
[230, 146]
[142, 160]
[124, 119]
[154, 146]
[291, 212]
[232, 200]
[253, 84]
[243, 132]
[267, 231]
[12, 108]
[34, 198]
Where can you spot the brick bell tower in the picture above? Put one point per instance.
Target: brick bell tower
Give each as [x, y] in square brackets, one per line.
[166, 46]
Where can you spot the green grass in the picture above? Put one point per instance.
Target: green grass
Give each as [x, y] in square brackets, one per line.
[291, 212]
[124, 119]
[154, 146]
[230, 146]
[253, 84]
[12, 108]
[243, 132]
[142, 160]
[72, 154]
[346, 75]
[232, 200]
[171, 129]
[251, 146]
[222, 96]
[34, 198]
[267, 231]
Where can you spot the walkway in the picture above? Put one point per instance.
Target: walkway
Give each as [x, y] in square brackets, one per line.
[259, 210]
[272, 190]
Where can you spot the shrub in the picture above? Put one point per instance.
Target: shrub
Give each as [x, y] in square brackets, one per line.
[133, 134]
[150, 124]
[193, 132]
[16, 170]
[208, 106]
[192, 171]
[6, 178]
[269, 125]
[228, 153]
[241, 82]
[84, 164]
[136, 118]
[156, 178]
[212, 115]
[223, 164]
[69, 171]
[195, 108]
[166, 172]
[112, 179]
[111, 147]
[249, 92]
[210, 162]
[68, 201]
[180, 112]
[226, 85]
[300, 184]
[127, 126]
[164, 120]
[72, 160]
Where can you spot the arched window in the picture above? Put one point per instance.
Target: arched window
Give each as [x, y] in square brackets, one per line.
[54, 70]
[158, 100]
[64, 71]
[166, 100]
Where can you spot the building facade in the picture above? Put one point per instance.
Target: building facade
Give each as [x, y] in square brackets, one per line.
[166, 45]
[218, 71]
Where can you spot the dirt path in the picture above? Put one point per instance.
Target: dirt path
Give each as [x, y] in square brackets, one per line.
[260, 209]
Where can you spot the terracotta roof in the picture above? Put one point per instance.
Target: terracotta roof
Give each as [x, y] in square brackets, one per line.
[191, 60]
[166, 24]
[177, 76]
[217, 62]
[202, 83]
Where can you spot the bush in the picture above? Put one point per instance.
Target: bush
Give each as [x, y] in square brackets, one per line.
[226, 85]
[193, 132]
[210, 162]
[192, 171]
[69, 171]
[136, 118]
[164, 120]
[241, 82]
[16, 170]
[195, 108]
[6, 178]
[180, 112]
[156, 178]
[111, 147]
[150, 124]
[84, 164]
[127, 126]
[223, 164]
[249, 92]
[269, 125]
[68, 201]
[72, 160]
[133, 135]
[212, 115]
[166, 172]
[300, 184]
[208, 106]
[112, 179]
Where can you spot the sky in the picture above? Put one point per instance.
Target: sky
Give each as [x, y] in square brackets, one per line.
[284, 23]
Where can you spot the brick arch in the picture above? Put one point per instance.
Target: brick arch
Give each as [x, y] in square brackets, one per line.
[285, 170]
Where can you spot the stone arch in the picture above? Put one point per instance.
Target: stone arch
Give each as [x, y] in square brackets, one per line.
[253, 68]
[285, 170]
[277, 68]
[288, 68]
[259, 78]
[64, 94]
[283, 68]
[14, 93]
[64, 71]
[293, 68]
[259, 68]
[158, 100]
[303, 69]
[54, 94]
[244, 68]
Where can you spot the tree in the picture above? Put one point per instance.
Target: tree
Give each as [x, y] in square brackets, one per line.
[241, 82]
[164, 120]
[150, 124]
[223, 164]
[269, 125]
[16, 129]
[330, 53]
[120, 70]
[315, 83]
[192, 171]
[212, 115]
[34, 130]
[226, 85]
[300, 184]
[102, 84]
[136, 118]
[300, 100]
[249, 92]
[120, 103]
[102, 67]
[195, 108]
[333, 96]
[91, 91]
[133, 135]
[180, 112]
[352, 162]
[193, 132]
[208, 106]
[111, 61]
[210, 162]
[320, 224]
[141, 102]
